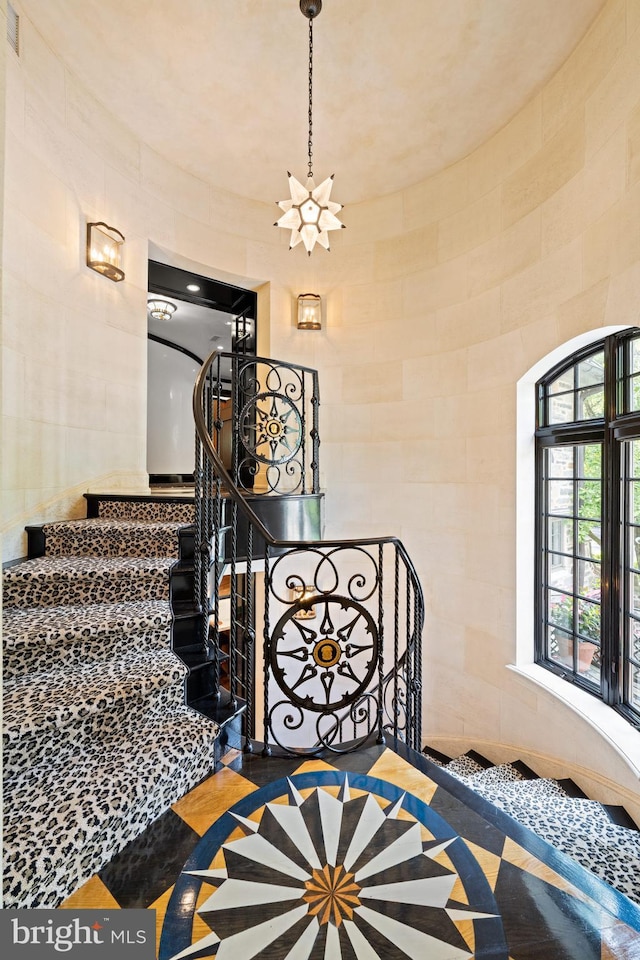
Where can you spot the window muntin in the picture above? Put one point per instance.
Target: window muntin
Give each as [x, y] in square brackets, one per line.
[571, 568]
[588, 528]
[631, 593]
[577, 393]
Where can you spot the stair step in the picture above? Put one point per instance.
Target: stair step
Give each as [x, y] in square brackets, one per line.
[498, 774]
[63, 581]
[440, 759]
[54, 712]
[74, 635]
[534, 810]
[141, 507]
[572, 789]
[609, 851]
[102, 537]
[63, 824]
[467, 764]
[55, 698]
[620, 817]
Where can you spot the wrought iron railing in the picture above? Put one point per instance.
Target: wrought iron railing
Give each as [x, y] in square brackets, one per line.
[340, 620]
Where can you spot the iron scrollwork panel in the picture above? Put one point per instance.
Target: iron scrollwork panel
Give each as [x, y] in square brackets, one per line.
[273, 436]
[327, 667]
[324, 652]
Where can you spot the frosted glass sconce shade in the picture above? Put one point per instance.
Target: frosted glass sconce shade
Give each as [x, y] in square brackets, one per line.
[104, 250]
[309, 311]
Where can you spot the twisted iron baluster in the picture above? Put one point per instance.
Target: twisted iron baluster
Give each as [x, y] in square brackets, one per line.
[249, 644]
[315, 434]
[417, 645]
[303, 415]
[266, 751]
[233, 632]
[396, 642]
[380, 738]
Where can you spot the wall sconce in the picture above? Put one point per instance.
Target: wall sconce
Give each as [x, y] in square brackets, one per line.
[309, 311]
[104, 253]
[303, 595]
[161, 309]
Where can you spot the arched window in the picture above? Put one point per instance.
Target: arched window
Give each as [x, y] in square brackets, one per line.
[588, 520]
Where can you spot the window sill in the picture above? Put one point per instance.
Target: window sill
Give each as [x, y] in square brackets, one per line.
[613, 728]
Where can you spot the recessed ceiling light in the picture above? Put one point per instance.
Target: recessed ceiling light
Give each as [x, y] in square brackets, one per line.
[193, 287]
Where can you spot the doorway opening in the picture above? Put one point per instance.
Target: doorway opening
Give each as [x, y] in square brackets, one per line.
[204, 315]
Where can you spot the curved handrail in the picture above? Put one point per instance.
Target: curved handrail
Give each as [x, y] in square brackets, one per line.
[237, 496]
[406, 669]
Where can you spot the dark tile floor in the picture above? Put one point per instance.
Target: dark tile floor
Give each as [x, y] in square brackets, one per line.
[377, 854]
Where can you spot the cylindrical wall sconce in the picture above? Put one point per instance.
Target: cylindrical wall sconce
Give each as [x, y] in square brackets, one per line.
[104, 250]
[309, 311]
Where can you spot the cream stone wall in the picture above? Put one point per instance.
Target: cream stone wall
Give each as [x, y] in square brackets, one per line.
[74, 343]
[439, 300]
[444, 297]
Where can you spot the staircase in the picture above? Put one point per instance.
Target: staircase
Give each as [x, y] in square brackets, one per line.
[98, 740]
[602, 838]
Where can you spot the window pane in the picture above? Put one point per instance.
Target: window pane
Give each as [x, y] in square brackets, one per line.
[634, 687]
[634, 598]
[634, 548]
[560, 647]
[561, 609]
[589, 620]
[635, 458]
[561, 408]
[563, 383]
[589, 579]
[589, 540]
[589, 661]
[560, 535]
[560, 462]
[634, 631]
[590, 403]
[561, 496]
[635, 393]
[590, 499]
[635, 355]
[560, 572]
[635, 500]
[590, 461]
[591, 370]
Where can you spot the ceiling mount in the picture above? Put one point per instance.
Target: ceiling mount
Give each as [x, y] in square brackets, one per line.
[311, 8]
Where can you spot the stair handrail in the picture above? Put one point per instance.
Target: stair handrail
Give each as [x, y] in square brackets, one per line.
[238, 498]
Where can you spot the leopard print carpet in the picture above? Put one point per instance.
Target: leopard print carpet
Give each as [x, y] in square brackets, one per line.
[97, 738]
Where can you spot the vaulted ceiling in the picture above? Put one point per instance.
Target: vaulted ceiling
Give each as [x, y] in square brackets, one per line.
[401, 89]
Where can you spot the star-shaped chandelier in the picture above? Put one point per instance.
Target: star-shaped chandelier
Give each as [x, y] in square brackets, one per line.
[310, 213]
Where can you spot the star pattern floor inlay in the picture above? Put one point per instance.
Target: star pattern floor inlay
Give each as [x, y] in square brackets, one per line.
[378, 855]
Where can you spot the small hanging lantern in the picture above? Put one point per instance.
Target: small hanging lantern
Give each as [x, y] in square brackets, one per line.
[309, 212]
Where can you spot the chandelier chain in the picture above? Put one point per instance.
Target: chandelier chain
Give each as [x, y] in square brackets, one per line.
[309, 145]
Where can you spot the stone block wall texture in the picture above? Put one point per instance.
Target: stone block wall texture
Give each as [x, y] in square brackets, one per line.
[439, 301]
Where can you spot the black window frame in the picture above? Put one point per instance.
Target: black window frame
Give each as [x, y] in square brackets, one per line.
[618, 424]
